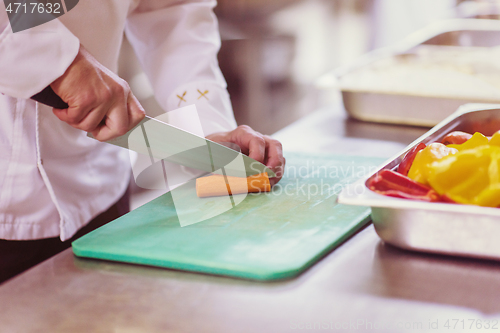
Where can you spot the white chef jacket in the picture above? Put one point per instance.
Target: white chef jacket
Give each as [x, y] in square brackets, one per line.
[53, 179]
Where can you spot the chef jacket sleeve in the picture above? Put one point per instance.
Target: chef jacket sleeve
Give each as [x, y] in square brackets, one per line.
[32, 59]
[177, 44]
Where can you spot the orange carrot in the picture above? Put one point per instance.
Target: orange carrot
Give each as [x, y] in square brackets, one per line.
[216, 185]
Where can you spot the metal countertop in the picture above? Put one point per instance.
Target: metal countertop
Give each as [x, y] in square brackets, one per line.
[363, 285]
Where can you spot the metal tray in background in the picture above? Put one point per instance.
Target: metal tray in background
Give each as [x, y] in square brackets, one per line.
[454, 229]
[405, 108]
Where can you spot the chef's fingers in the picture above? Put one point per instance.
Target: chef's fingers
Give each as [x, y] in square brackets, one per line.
[116, 120]
[113, 125]
[120, 119]
[136, 112]
[221, 137]
[62, 114]
[90, 96]
[88, 109]
[99, 101]
[94, 119]
[274, 158]
[77, 111]
[94, 107]
[279, 171]
[251, 142]
[71, 115]
[259, 147]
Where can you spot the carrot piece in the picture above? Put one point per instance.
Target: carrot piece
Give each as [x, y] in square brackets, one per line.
[216, 185]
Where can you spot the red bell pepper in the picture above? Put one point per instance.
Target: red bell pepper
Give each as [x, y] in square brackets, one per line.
[394, 184]
[407, 161]
[456, 138]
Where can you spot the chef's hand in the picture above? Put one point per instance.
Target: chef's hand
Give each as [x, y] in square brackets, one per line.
[99, 101]
[259, 147]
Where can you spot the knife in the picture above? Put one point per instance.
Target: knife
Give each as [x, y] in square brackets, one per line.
[162, 141]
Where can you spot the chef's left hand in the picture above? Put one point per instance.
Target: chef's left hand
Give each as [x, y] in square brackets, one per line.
[257, 146]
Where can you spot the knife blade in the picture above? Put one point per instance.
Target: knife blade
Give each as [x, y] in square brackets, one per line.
[164, 141]
[161, 140]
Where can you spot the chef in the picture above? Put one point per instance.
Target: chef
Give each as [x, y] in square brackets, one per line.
[56, 184]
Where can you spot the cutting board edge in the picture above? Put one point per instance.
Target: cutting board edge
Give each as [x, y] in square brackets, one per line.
[284, 274]
[192, 268]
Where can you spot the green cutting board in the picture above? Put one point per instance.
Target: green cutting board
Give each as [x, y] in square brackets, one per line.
[268, 236]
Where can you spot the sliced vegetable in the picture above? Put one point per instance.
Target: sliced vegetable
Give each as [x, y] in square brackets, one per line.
[495, 139]
[217, 185]
[476, 140]
[419, 170]
[466, 171]
[394, 184]
[469, 177]
[407, 161]
[456, 138]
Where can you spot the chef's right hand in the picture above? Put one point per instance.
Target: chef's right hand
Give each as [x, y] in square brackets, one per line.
[99, 101]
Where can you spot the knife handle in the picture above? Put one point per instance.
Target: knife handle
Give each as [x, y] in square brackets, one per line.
[48, 97]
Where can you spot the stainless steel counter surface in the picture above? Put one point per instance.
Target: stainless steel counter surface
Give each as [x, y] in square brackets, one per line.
[363, 285]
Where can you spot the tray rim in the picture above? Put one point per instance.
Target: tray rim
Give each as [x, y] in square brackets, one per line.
[350, 196]
[330, 80]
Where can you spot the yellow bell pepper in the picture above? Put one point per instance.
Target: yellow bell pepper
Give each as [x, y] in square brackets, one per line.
[495, 140]
[470, 176]
[476, 140]
[419, 170]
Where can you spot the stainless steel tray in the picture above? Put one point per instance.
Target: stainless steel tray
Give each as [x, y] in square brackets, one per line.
[454, 229]
[413, 109]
